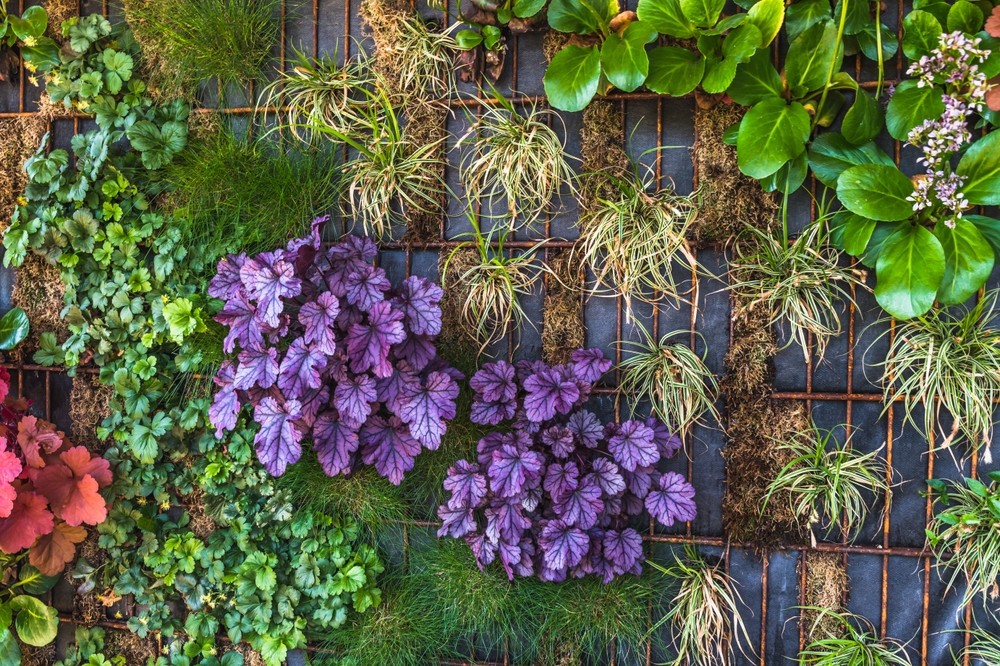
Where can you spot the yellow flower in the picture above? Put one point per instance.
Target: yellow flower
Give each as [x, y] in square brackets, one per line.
[29, 41]
[21, 201]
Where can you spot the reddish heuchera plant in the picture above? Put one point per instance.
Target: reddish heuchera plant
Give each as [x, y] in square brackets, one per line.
[554, 496]
[49, 488]
[329, 352]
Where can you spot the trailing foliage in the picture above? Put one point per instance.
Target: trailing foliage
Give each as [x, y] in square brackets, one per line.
[557, 492]
[88, 650]
[22, 38]
[855, 641]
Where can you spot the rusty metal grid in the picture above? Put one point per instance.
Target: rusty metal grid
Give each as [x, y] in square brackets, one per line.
[765, 592]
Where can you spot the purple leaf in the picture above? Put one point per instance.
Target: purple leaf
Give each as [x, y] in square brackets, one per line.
[633, 446]
[562, 545]
[366, 286]
[506, 523]
[511, 558]
[667, 443]
[623, 549]
[353, 399]
[227, 283]
[640, 481]
[425, 408]
[313, 400]
[368, 345]
[268, 277]
[258, 367]
[561, 478]
[491, 413]
[466, 484]
[495, 382]
[417, 350]
[346, 257]
[590, 364]
[391, 389]
[548, 393]
[484, 550]
[456, 521]
[226, 404]
[586, 428]
[511, 469]
[560, 440]
[607, 476]
[244, 328]
[673, 501]
[493, 441]
[300, 369]
[277, 440]
[319, 318]
[334, 443]
[526, 368]
[580, 507]
[389, 446]
[418, 299]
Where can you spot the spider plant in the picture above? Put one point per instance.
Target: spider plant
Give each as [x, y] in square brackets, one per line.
[631, 240]
[828, 481]
[800, 283]
[517, 157]
[948, 360]
[965, 535]
[494, 285]
[857, 645]
[703, 614]
[985, 647]
[672, 377]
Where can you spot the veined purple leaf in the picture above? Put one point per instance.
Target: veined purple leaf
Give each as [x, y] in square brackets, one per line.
[632, 504]
[392, 388]
[548, 393]
[560, 440]
[580, 507]
[511, 469]
[278, 441]
[511, 558]
[531, 498]
[526, 566]
[241, 319]
[425, 408]
[606, 474]
[561, 478]
[526, 368]
[319, 318]
[302, 251]
[466, 485]
[441, 365]
[349, 316]
[366, 286]
[491, 413]
[227, 283]
[300, 369]
[456, 521]
[484, 549]
[346, 257]
[417, 350]
[633, 446]
[506, 523]
[493, 441]
[268, 278]
[586, 428]
[418, 299]
[258, 367]
[389, 446]
[673, 501]
[667, 443]
[368, 345]
[353, 399]
[226, 404]
[639, 481]
[590, 364]
[547, 575]
[313, 400]
[623, 549]
[495, 382]
[334, 443]
[562, 545]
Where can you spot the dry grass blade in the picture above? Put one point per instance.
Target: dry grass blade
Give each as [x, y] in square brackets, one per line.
[824, 481]
[673, 378]
[950, 362]
[857, 645]
[799, 284]
[632, 240]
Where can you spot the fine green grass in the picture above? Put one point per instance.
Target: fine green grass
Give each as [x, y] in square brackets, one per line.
[985, 647]
[856, 644]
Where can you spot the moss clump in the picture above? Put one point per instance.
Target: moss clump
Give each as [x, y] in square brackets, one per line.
[19, 139]
[121, 642]
[59, 11]
[425, 125]
[827, 587]
[451, 266]
[602, 136]
[729, 200]
[89, 403]
[562, 313]
[552, 43]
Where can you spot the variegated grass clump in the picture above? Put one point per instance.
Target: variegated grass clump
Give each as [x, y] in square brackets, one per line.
[824, 481]
[949, 361]
[985, 647]
[801, 284]
[856, 644]
[673, 378]
[632, 240]
[516, 157]
[703, 615]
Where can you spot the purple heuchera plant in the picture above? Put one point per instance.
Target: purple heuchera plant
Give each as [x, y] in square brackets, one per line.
[553, 497]
[327, 351]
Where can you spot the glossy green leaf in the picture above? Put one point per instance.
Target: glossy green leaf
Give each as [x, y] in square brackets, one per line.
[731, 135]
[571, 16]
[741, 43]
[910, 106]
[831, 154]
[789, 177]
[990, 229]
[767, 15]
[808, 61]
[703, 13]
[804, 14]
[666, 17]
[920, 34]
[526, 9]
[883, 231]
[35, 622]
[33, 581]
[868, 42]
[858, 15]
[835, 101]
[981, 167]
[13, 328]
[771, 133]
[876, 191]
[624, 58]
[674, 71]
[719, 74]
[864, 120]
[857, 232]
[968, 261]
[991, 67]
[468, 39]
[965, 16]
[725, 24]
[10, 651]
[572, 77]
[909, 271]
[756, 80]
[938, 10]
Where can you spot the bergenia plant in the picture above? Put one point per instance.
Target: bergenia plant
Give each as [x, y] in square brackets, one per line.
[49, 489]
[327, 351]
[554, 496]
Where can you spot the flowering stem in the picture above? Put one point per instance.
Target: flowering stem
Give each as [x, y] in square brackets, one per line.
[833, 62]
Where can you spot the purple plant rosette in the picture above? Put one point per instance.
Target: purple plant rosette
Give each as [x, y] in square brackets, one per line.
[553, 497]
[328, 351]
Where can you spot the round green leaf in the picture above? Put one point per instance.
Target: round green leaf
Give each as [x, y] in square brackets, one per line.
[35, 622]
[13, 328]
[703, 13]
[768, 16]
[965, 16]
[868, 42]
[989, 228]
[876, 191]
[664, 16]
[909, 271]
[864, 120]
[741, 43]
[771, 133]
[968, 261]
[468, 39]
[10, 651]
[34, 581]
[719, 74]
[572, 77]
[809, 56]
[831, 154]
[789, 177]
[525, 9]
[756, 79]
[981, 167]
[674, 71]
[920, 34]
[802, 15]
[910, 106]
[938, 10]
[857, 232]
[624, 58]
[858, 15]
[571, 16]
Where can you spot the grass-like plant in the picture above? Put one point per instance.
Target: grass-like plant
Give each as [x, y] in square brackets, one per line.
[827, 482]
[965, 535]
[855, 644]
[949, 361]
[672, 377]
[703, 614]
[800, 284]
[632, 240]
[517, 157]
[985, 648]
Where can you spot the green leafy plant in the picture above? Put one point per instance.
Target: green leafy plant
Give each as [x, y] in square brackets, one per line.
[947, 362]
[24, 36]
[856, 643]
[964, 534]
[826, 484]
[985, 647]
[88, 650]
[13, 328]
[21, 613]
[672, 377]
[484, 43]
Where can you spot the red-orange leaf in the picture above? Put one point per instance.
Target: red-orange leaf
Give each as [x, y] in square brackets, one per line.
[72, 488]
[52, 551]
[10, 467]
[993, 94]
[29, 518]
[37, 437]
[993, 23]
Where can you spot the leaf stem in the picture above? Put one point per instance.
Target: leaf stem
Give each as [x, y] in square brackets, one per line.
[833, 62]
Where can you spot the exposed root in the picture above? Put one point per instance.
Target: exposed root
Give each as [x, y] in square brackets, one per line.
[37, 656]
[454, 333]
